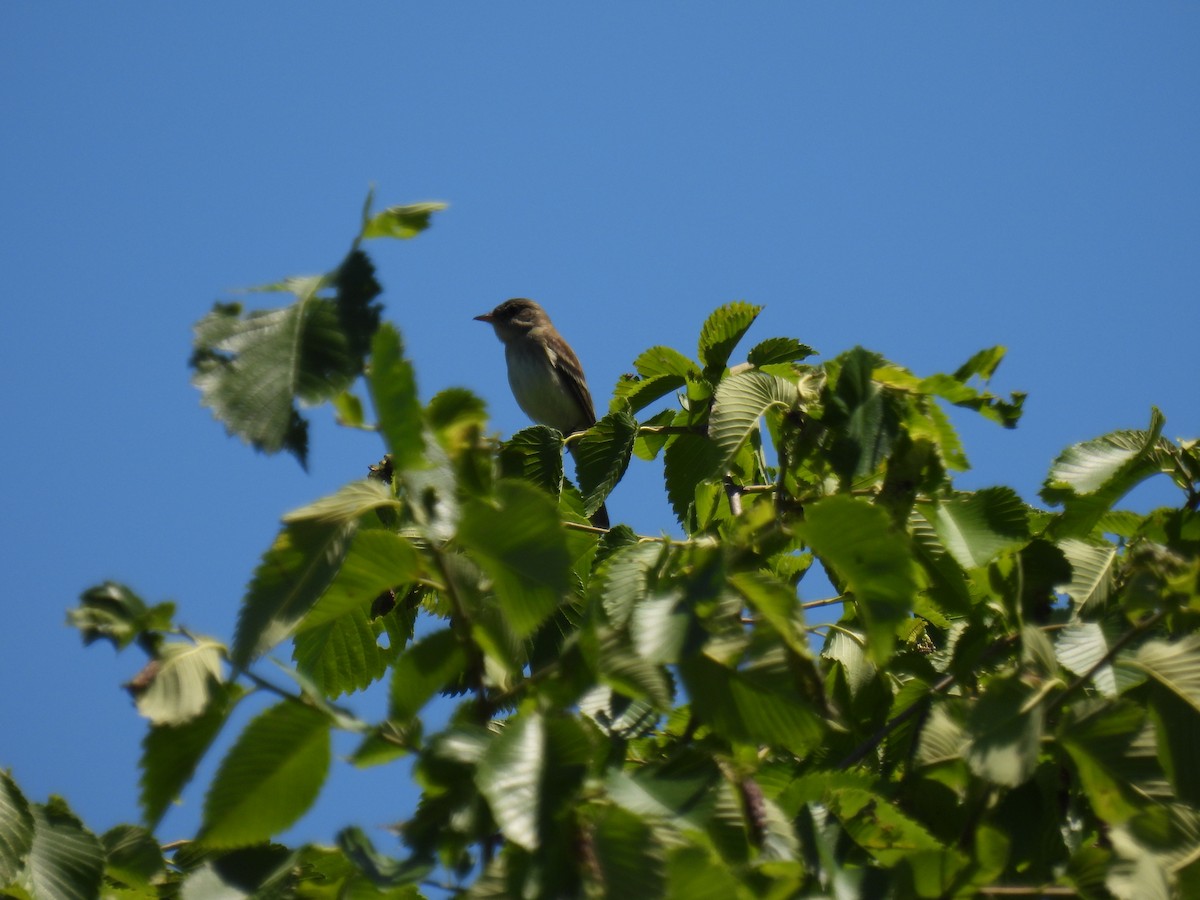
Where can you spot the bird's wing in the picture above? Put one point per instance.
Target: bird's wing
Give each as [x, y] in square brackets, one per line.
[566, 365]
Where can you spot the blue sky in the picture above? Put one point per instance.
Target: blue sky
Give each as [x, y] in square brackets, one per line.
[924, 179]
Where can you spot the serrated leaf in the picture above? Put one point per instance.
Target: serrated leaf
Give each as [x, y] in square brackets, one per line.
[132, 856]
[113, 612]
[721, 332]
[621, 668]
[425, 668]
[635, 393]
[741, 400]
[1176, 666]
[630, 859]
[742, 707]
[862, 415]
[171, 753]
[393, 386]
[778, 350]
[621, 580]
[1092, 573]
[292, 576]
[1088, 467]
[376, 561]
[341, 655]
[534, 455]
[1004, 733]
[346, 504]
[65, 861]
[519, 542]
[689, 461]
[1103, 743]
[401, 221]
[183, 683]
[658, 361]
[983, 364]
[16, 828]
[510, 776]
[269, 778]
[254, 370]
[1080, 646]
[879, 827]
[778, 605]
[856, 540]
[602, 455]
[976, 527]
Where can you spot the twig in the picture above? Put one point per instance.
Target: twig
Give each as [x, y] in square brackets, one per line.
[828, 601]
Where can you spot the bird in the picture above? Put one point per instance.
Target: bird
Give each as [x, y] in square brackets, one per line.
[544, 372]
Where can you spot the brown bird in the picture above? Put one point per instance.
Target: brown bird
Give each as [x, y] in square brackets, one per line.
[544, 372]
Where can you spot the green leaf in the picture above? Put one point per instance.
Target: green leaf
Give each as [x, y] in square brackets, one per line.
[629, 858]
[292, 576]
[879, 827]
[1102, 741]
[510, 776]
[856, 540]
[341, 655]
[742, 707]
[401, 221]
[133, 856]
[382, 871]
[660, 361]
[721, 332]
[534, 455]
[376, 561]
[694, 874]
[689, 461]
[741, 400]
[602, 455]
[983, 364]
[622, 580]
[66, 861]
[1089, 478]
[425, 668]
[1176, 666]
[1092, 573]
[253, 370]
[269, 778]
[976, 527]
[863, 416]
[16, 828]
[345, 505]
[624, 670]
[1081, 645]
[183, 682]
[520, 544]
[171, 753]
[1005, 733]
[393, 385]
[778, 350]
[634, 393]
[113, 612]
[779, 606]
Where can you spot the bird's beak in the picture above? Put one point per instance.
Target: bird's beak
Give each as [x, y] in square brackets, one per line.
[486, 317]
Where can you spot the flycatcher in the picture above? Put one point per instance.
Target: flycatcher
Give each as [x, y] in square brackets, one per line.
[544, 372]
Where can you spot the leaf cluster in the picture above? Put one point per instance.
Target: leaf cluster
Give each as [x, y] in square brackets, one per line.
[1000, 698]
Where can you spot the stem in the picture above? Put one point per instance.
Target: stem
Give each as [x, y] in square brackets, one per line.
[828, 601]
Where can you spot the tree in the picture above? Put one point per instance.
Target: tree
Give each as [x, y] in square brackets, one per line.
[1008, 703]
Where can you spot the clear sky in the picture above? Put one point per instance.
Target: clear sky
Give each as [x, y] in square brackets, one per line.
[924, 179]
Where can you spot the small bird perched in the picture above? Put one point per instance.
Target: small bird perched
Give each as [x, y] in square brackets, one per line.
[543, 372]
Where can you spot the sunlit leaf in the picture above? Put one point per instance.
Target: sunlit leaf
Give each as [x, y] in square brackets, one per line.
[520, 544]
[858, 542]
[132, 856]
[778, 350]
[292, 576]
[534, 455]
[510, 776]
[16, 828]
[401, 221]
[1174, 665]
[741, 400]
[975, 527]
[422, 670]
[393, 387]
[66, 860]
[182, 684]
[602, 455]
[113, 612]
[171, 753]
[346, 504]
[721, 332]
[375, 561]
[341, 655]
[269, 778]
[1004, 733]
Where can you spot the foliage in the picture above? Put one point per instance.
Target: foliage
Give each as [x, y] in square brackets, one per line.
[1008, 697]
